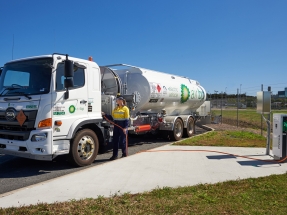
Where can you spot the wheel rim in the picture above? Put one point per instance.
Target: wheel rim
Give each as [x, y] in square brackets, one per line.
[190, 127]
[86, 147]
[178, 129]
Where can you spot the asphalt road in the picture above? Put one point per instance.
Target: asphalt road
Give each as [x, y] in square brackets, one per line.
[16, 173]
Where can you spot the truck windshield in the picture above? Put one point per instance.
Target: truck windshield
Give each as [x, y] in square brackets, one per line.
[28, 77]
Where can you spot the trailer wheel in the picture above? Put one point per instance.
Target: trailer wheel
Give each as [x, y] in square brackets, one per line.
[177, 132]
[84, 148]
[190, 128]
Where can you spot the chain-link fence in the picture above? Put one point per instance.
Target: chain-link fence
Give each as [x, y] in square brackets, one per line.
[243, 101]
[241, 110]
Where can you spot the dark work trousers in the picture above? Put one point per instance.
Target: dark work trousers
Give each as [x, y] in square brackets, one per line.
[119, 139]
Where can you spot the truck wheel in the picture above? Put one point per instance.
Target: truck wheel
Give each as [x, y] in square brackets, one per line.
[190, 128]
[84, 148]
[177, 132]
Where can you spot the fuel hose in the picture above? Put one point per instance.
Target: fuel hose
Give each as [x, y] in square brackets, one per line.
[214, 151]
[196, 150]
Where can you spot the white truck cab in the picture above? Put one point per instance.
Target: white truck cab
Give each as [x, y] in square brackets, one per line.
[51, 106]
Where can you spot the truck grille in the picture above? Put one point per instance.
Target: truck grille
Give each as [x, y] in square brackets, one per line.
[12, 130]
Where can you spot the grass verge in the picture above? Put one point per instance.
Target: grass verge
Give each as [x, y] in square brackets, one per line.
[265, 195]
[226, 138]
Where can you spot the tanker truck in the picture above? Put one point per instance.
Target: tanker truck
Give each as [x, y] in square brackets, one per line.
[51, 105]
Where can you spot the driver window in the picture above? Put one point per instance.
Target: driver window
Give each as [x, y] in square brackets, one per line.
[79, 78]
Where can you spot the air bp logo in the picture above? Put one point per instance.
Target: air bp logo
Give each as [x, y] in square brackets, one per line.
[185, 93]
[72, 109]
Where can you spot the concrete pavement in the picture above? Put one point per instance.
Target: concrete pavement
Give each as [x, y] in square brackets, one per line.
[149, 170]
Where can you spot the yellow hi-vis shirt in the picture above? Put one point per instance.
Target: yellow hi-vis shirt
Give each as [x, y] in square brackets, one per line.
[121, 113]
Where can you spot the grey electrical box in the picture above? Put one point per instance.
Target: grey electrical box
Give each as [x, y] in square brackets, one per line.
[263, 102]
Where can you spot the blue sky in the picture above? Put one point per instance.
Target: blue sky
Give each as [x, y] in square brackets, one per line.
[220, 43]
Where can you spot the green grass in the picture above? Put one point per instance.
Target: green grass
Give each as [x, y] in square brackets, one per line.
[265, 195]
[226, 138]
[246, 117]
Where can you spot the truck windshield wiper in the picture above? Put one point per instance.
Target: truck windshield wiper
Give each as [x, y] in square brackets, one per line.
[9, 88]
[24, 94]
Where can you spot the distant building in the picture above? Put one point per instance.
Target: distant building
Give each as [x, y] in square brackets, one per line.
[282, 94]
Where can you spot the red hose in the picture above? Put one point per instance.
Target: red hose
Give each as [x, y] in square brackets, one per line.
[195, 150]
[202, 150]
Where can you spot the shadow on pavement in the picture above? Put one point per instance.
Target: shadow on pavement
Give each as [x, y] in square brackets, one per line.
[219, 157]
[24, 167]
[256, 163]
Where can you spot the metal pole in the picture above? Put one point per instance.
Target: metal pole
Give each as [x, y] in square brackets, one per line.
[237, 106]
[268, 129]
[261, 115]
[221, 107]
[268, 136]
[268, 133]
[240, 96]
[226, 99]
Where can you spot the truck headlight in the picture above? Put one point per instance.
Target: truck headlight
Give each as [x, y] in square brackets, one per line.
[39, 137]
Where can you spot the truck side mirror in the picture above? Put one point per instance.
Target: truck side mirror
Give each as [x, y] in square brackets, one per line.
[68, 82]
[69, 74]
[69, 68]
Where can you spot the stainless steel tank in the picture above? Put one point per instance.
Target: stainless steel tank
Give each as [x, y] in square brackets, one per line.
[154, 90]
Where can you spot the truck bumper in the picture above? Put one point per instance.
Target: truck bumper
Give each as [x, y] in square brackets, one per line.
[26, 155]
[38, 150]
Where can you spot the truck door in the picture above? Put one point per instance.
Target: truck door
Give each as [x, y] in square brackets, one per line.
[94, 92]
[76, 106]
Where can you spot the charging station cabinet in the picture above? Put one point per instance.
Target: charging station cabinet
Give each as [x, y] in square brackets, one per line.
[279, 147]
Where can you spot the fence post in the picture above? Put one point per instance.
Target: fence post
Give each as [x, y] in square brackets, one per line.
[237, 106]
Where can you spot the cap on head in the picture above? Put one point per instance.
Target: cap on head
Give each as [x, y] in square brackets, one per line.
[120, 98]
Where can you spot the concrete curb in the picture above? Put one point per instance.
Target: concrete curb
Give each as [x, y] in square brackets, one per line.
[204, 127]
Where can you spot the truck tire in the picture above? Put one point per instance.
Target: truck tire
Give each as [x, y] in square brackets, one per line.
[84, 148]
[190, 128]
[177, 132]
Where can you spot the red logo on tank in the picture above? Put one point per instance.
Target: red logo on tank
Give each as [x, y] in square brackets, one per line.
[158, 88]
